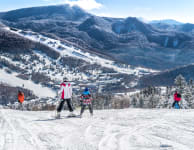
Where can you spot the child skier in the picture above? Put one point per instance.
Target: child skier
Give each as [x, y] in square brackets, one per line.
[86, 100]
[66, 95]
[177, 99]
[20, 99]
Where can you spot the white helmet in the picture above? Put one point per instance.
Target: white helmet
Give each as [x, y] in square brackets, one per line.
[65, 79]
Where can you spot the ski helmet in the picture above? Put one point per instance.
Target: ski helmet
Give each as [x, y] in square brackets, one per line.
[86, 89]
[65, 79]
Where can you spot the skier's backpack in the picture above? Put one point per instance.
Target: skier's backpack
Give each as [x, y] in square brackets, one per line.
[176, 106]
[179, 95]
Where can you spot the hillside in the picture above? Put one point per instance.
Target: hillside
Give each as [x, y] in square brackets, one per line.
[15, 44]
[108, 129]
[67, 13]
[38, 63]
[166, 78]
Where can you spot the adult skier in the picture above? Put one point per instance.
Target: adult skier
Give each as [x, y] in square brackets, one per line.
[86, 100]
[20, 99]
[177, 99]
[65, 95]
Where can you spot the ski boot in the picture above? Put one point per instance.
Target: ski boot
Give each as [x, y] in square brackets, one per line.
[91, 114]
[58, 116]
[71, 114]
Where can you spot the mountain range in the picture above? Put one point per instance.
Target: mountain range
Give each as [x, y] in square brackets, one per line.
[126, 40]
[164, 46]
[166, 21]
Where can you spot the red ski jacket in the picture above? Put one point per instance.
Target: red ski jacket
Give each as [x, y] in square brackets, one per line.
[66, 90]
[177, 98]
[21, 97]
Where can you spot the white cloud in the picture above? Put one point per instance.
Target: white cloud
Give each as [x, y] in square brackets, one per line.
[85, 4]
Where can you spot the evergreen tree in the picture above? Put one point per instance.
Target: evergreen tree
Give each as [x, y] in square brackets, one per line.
[191, 87]
[187, 96]
[180, 83]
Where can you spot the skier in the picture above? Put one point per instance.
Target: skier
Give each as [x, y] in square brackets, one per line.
[66, 95]
[177, 99]
[20, 99]
[86, 100]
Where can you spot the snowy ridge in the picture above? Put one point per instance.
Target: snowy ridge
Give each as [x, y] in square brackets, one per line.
[74, 52]
[129, 129]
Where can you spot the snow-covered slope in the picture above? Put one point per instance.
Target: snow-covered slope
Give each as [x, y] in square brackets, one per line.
[38, 90]
[77, 53]
[129, 129]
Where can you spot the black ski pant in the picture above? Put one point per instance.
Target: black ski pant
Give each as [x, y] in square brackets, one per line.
[89, 106]
[60, 107]
[175, 103]
[21, 106]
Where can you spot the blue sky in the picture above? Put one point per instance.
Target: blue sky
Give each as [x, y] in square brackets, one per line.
[180, 10]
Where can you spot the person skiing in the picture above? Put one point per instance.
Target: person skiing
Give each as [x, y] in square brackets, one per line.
[177, 99]
[86, 100]
[20, 99]
[65, 95]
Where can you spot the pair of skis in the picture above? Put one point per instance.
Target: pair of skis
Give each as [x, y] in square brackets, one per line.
[58, 115]
[69, 116]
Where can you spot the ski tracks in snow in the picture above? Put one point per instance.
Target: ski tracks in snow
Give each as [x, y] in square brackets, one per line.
[16, 134]
[151, 130]
[37, 131]
[129, 129]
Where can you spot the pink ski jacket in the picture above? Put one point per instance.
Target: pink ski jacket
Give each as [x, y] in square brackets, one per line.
[177, 98]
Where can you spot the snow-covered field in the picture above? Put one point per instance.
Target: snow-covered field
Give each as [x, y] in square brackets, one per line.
[129, 129]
